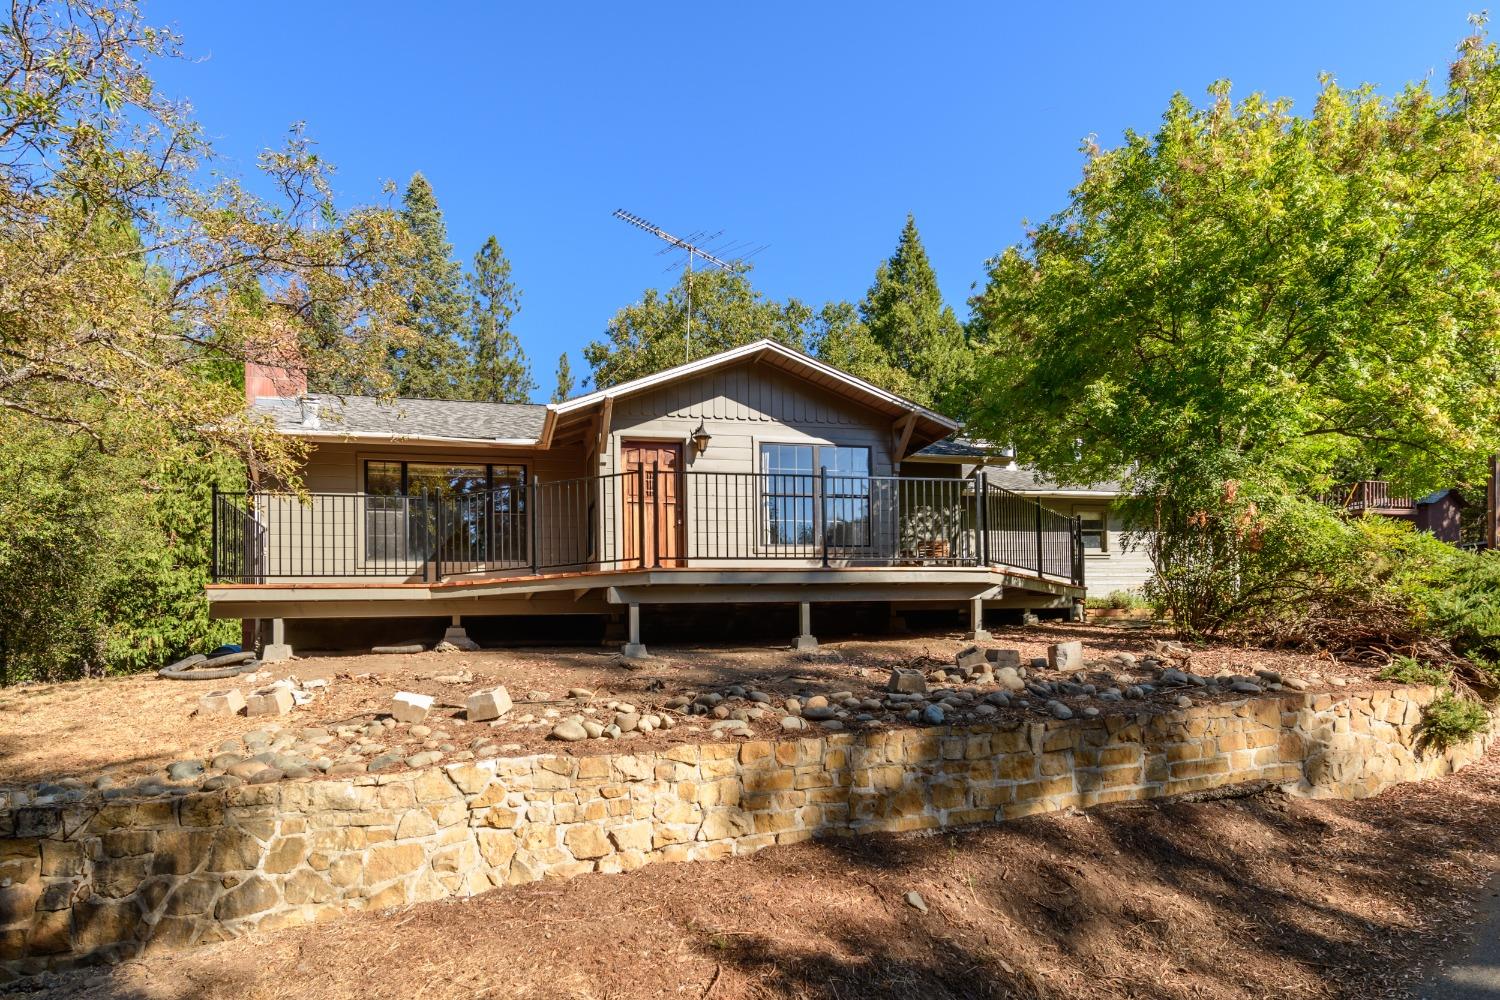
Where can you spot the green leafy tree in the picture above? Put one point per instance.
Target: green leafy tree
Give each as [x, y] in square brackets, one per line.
[1247, 304]
[727, 311]
[917, 334]
[565, 384]
[433, 364]
[499, 371]
[838, 336]
[119, 249]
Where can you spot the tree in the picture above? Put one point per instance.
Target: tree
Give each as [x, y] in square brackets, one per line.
[727, 311]
[499, 372]
[1248, 304]
[433, 364]
[122, 268]
[1251, 290]
[837, 336]
[564, 379]
[907, 320]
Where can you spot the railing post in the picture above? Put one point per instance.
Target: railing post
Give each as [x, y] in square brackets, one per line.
[533, 513]
[213, 534]
[656, 516]
[982, 491]
[820, 515]
[1078, 560]
[1038, 538]
[640, 511]
[437, 543]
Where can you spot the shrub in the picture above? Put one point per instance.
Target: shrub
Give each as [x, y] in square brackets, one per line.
[1450, 720]
[1407, 670]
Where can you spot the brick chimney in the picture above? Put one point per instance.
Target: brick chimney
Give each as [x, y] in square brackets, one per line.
[262, 380]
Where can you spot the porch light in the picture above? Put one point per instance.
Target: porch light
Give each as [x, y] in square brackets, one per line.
[701, 437]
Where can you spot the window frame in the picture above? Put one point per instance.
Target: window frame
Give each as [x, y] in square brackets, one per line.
[1082, 510]
[820, 511]
[413, 528]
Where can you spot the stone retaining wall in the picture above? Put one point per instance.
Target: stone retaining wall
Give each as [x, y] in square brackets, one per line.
[105, 879]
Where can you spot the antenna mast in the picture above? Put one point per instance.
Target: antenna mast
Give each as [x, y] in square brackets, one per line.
[692, 249]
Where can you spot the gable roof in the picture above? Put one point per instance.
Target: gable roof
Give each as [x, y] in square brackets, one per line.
[927, 425]
[535, 424]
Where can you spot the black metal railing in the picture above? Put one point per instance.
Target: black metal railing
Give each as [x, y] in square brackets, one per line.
[646, 518]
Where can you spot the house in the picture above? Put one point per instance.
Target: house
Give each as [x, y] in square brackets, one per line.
[1442, 514]
[758, 475]
[1114, 557]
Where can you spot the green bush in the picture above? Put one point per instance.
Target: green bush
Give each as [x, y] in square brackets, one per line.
[1450, 720]
[1407, 670]
[1119, 600]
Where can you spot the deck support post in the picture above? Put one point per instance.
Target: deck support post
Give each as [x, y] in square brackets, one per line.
[633, 650]
[457, 635]
[977, 632]
[804, 620]
[275, 648]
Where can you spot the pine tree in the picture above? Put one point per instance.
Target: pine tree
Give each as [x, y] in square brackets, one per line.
[498, 371]
[565, 384]
[434, 364]
[919, 335]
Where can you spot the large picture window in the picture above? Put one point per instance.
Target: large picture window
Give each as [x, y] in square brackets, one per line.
[484, 504]
[791, 479]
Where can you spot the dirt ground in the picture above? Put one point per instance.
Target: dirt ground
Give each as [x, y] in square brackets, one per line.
[131, 727]
[1262, 896]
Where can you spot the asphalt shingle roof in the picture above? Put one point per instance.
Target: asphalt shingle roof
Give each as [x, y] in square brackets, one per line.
[1023, 478]
[953, 448]
[439, 418]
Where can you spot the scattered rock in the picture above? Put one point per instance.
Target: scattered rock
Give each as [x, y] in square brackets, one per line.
[907, 681]
[933, 715]
[184, 770]
[915, 901]
[1010, 679]
[407, 706]
[230, 702]
[793, 724]
[1246, 687]
[1065, 656]
[570, 730]
[481, 706]
[1059, 710]
[269, 701]
[1003, 657]
[1183, 701]
[406, 648]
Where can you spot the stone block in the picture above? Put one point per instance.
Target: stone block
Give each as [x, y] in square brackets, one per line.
[1065, 656]
[269, 701]
[227, 702]
[970, 658]
[407, 706]
[1004, 658]
[490, 703]
[907, 681]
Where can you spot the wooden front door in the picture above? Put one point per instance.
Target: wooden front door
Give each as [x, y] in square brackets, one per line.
[662, 518]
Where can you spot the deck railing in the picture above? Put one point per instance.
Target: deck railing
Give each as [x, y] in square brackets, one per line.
[1369, 495]
[645, 518]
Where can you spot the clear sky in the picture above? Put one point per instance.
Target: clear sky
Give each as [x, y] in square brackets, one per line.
[811, 127]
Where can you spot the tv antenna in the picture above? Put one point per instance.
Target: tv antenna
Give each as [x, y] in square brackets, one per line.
[694, 247]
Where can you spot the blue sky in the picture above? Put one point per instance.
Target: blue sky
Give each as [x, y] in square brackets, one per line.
[813, 128]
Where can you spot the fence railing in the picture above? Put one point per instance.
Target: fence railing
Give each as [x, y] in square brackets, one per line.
[645, 518]
[1368, 494]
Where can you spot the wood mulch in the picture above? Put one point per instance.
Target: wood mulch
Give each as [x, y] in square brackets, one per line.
[1262, 896]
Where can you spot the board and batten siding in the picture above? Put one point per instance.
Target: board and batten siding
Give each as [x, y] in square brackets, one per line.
[741, 408]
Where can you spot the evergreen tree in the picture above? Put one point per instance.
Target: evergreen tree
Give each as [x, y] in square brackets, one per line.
[565, 383]
[908, 322]
[837, 336]
[727, 311]
[433, 364]
[498, 371]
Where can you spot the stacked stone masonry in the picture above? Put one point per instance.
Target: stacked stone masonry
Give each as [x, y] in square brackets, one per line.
[105, 879]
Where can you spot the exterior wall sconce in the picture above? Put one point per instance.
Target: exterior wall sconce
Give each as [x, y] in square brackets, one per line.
[701, 437]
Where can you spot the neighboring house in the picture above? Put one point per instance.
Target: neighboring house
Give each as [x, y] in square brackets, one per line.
[1441, 514]
[1114, 559]
[757, 475]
